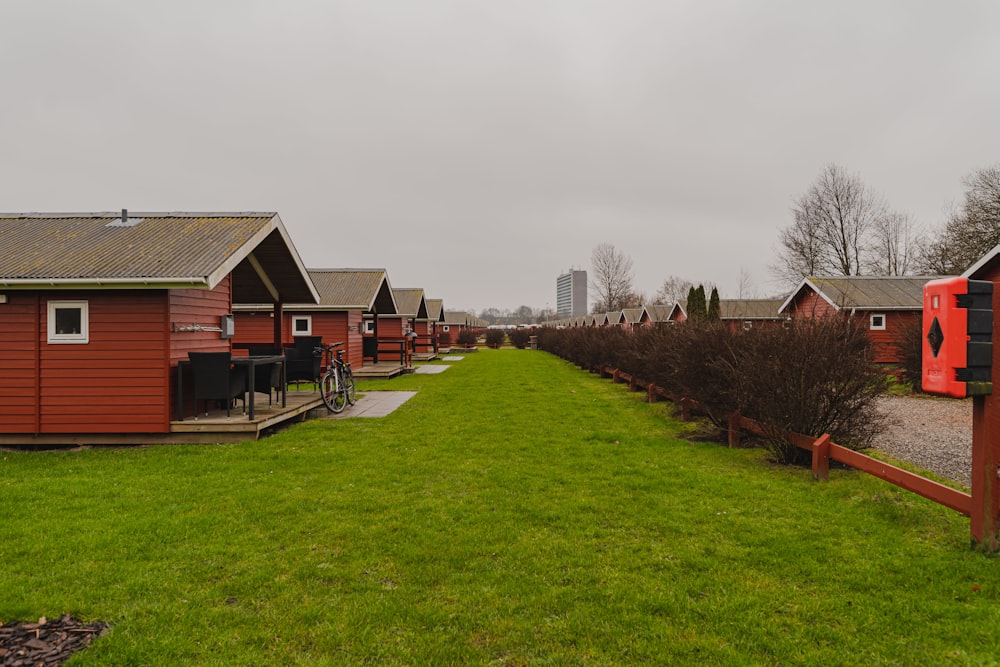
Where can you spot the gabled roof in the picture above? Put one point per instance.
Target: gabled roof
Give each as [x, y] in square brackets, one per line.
[985, 264]
[658, 312]
[750, 309]
[630, 315]
[678, 308]
[350, 289]
[456, 317]
[153, 251]
[435, 310]
[864, 292]
[410, 302]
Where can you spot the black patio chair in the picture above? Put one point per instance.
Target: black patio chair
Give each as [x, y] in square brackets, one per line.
[303, 361]
[215, 379]
[266, 380]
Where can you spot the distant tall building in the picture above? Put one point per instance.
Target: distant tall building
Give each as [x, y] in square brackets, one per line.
[571, 294]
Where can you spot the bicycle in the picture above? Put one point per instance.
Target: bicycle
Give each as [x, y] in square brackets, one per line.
[337, 384]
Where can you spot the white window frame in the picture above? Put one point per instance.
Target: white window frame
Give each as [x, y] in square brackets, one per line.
[369, 326]
[445, 328]
[302, 318]
[871, 322]
[747, 325]
[81, 338]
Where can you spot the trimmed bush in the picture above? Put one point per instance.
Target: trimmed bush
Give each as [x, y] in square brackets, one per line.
[494, 337]
[813, 377]
[466, 337]
[519, 338]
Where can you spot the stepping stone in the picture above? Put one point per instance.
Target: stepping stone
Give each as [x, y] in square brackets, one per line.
[375, 404]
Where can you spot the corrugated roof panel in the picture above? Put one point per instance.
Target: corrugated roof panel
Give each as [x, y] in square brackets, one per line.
[85, 248]
[347, 288]
[749, 309]
[868, 292]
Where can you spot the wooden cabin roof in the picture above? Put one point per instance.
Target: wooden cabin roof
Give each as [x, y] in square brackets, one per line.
[435, 310]
[864, 292]
[630, 316]
[456, 317]
[410, 302]
[750, 309]
[658, 312]
[153, 251]
[367, 290]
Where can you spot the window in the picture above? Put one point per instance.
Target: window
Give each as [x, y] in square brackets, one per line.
[747, 325]
[369, 326]
[876, 322]
[302, 325]
[69, 322]
[445, 328]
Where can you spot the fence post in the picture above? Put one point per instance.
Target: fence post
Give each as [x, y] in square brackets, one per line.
[734, 429]
[651, 393]
[821, 457]
[614, 376]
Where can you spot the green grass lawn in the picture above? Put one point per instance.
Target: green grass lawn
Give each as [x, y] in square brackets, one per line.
[516, 511]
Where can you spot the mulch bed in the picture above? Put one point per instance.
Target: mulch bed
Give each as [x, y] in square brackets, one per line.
[45, 643]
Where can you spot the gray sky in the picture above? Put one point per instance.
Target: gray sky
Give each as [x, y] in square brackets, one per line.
[479, 149]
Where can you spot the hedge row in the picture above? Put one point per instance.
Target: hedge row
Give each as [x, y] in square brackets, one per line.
[812, 377]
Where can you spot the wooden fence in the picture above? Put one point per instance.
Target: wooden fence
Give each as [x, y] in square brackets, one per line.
[822, 448]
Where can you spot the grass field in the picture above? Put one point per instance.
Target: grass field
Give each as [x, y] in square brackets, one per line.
[516, 511]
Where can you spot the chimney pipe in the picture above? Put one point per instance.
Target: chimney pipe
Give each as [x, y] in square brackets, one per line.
[124, 215]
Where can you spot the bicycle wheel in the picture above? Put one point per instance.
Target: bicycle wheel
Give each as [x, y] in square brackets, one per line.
[339, 396]
[328, 389]
[350, 389]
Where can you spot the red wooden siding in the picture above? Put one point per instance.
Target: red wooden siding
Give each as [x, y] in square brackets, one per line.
[19, 360]
[331, 325]
[391, 327]
[258, 327]
[199, 306]
[811, 304]
[886, 342]
[334, 326]
[195, 306]
[115, 383]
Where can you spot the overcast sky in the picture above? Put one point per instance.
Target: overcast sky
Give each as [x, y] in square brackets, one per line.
[478, 149]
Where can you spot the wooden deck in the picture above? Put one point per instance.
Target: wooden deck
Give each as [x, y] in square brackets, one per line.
[215, 428]
[383, 370]
[237, 427]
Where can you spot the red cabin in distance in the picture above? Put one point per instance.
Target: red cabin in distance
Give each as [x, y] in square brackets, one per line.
[349, 299]
[887, 305]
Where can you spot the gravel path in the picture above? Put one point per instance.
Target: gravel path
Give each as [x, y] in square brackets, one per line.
[933, 433]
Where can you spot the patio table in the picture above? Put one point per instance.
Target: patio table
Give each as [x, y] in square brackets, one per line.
[252, 363]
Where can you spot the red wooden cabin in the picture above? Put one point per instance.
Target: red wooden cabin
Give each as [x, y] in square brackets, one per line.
[435, 318]
[96, 309]
[751, 313]
[886, 305]
[348, 298]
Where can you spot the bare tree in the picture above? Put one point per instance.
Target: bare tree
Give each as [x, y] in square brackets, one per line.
[971, 231]
[744, 286]
[673, 289]
[831, 227]
[894, 245]
[611, 278]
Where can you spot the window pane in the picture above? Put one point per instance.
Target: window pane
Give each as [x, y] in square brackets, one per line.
[68, 321]
[301, 325]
